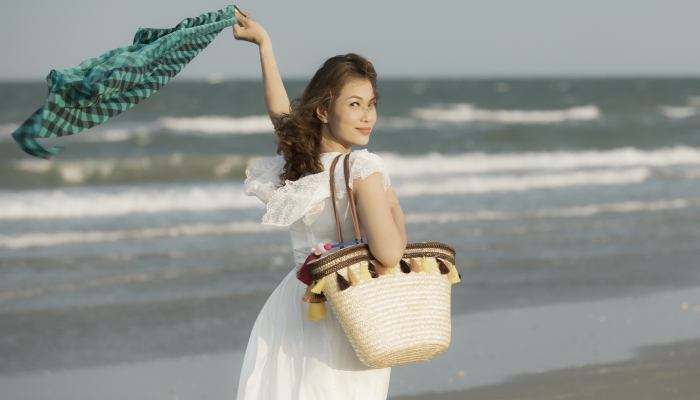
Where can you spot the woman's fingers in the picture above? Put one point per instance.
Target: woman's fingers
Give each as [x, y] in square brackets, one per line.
[241, 17]
[247, 29]
[237, 31]
[241, 26]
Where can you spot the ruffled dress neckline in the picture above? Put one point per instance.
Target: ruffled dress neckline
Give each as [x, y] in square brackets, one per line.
[304, 197]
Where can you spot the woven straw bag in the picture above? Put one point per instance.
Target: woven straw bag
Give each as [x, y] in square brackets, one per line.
[392, 316]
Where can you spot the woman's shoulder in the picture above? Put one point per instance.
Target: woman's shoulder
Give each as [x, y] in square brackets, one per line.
[365, 155]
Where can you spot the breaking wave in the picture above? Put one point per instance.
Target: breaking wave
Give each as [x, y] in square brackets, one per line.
[44, 239]
[680, 112]
[471, 163]
[587, 210]
[74, 203]
[464, 112]
[219, 124]
[412, 176]
[491, 184]
[177, 166]
[80, 203]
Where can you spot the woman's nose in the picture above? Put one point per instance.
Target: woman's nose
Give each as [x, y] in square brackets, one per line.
[367, 113]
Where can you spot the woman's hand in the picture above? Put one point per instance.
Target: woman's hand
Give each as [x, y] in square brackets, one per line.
[249, 30]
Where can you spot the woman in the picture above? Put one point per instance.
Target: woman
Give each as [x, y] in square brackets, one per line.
[289, 356]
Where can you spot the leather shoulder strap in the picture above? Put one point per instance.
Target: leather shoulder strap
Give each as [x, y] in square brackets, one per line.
[351, 197]
[335, 206]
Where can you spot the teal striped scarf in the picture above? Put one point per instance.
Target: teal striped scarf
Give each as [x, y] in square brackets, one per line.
[103, 87]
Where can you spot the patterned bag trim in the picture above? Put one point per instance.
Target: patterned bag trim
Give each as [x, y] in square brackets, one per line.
[342, 258]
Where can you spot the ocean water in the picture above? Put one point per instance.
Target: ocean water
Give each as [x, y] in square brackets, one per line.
[137, 242]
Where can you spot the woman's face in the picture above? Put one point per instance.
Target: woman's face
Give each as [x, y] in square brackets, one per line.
[352, 115]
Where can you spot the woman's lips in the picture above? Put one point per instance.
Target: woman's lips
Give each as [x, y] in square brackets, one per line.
[364, 131]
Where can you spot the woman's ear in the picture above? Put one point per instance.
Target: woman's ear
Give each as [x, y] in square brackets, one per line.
[322, 114]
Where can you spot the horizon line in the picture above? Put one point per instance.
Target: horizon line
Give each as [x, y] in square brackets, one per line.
[224, 79]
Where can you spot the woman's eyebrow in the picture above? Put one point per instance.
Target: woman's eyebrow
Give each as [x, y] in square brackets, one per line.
[355, 96]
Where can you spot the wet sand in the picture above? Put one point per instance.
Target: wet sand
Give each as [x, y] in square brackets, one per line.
[670, 371]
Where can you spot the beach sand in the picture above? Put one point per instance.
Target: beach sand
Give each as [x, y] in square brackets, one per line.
[625, 348]
[670, 371]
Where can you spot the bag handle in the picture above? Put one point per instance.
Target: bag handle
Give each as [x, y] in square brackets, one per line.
[351, 198]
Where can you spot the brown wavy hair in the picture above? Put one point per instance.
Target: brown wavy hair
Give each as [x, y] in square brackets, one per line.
[299, 132]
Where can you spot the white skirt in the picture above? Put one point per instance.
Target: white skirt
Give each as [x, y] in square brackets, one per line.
[291, 358]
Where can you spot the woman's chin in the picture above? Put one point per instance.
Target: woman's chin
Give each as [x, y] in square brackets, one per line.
[362, 141]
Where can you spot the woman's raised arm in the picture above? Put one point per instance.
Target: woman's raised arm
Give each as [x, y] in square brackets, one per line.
[276, 99]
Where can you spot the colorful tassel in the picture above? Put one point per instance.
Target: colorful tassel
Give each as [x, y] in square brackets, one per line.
[319, 298]
[318, 286]
[415, 265]
[304, 273]
[317, 311]
[379, 268]
[429, 265]
[364, 271]
[453, 276]
[404, 267]
[311, 297]
[308, 295]
[373, 271]
[352, 276]
[342, 282]
[443, 268]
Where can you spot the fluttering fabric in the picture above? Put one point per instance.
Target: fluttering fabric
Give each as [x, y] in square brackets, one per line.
[103, 87]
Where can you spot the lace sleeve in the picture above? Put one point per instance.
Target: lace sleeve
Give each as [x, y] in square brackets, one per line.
[289, 202]
[364, 164]
[262, 177]
[304, 198]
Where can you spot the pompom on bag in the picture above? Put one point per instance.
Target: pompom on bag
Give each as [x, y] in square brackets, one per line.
[392, 315]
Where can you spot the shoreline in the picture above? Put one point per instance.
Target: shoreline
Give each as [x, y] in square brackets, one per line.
[668, 371]
[488, 350]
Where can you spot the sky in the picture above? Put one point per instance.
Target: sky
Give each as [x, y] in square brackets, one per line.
[403, 38]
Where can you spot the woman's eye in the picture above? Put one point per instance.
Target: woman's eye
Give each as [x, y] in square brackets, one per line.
[354, 104]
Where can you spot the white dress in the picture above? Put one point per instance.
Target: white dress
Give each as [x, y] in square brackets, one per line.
[289, 357]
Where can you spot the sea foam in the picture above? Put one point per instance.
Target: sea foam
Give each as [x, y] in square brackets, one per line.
[47, 239]
[80, 203]
[67, 203]
[219, 124]
[586, 210]
[679, 112]
[204, 125]
[412, 176]
[464, 112]
[472, 163]
[6, 130]
[131, 170]
[519, 183]
[43, 239]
